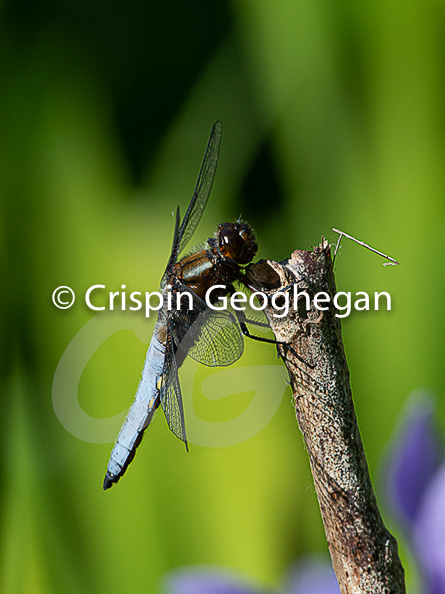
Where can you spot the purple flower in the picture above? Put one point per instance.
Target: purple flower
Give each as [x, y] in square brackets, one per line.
[206, 579]
[415, 488]
[415, 457]
[311, 575]
[429, 533]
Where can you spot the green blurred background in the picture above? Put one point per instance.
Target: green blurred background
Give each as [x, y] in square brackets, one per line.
[333, 116]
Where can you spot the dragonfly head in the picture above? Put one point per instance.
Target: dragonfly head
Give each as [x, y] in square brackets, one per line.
[237, 242]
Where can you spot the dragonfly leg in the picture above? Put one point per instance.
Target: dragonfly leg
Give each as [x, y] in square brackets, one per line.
[243, 321]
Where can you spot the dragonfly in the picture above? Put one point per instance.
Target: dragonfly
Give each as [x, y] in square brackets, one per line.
[212, 338]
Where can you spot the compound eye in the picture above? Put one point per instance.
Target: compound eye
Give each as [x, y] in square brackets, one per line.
[250, 248]
[230, 242]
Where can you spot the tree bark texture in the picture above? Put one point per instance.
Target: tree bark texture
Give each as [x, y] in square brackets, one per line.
[364, 554]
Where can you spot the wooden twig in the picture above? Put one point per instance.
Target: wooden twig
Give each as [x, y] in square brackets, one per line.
[364, 554]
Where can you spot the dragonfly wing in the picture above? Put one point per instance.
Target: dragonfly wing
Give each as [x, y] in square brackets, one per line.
[171, 397]
[174, 252]
[202, 189]
[200, 196]
[210, 337]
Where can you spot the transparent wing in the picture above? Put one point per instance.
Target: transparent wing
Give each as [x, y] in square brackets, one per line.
[203, 186]
[171, 397]
[210, 337]
[200, 195]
